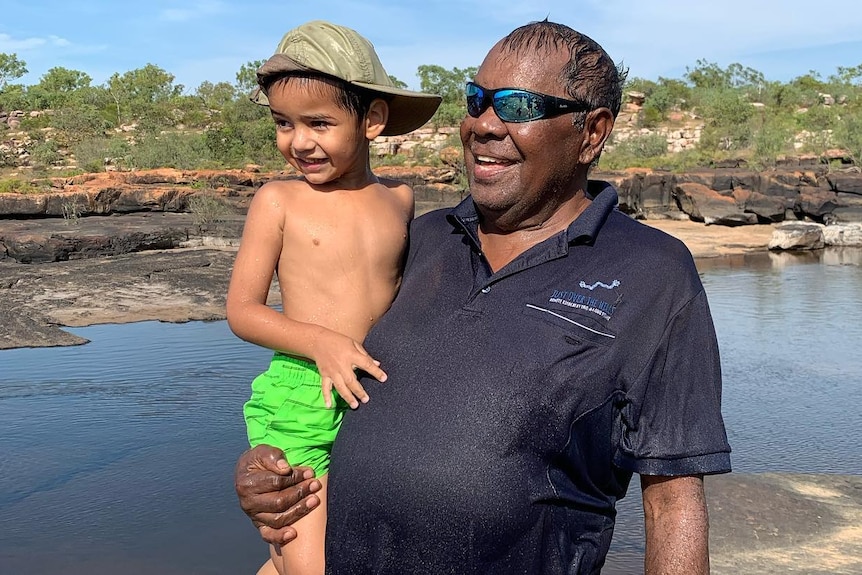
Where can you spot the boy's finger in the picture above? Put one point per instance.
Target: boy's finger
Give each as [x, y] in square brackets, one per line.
[345, 392]
[372, 368]
[326, 387]
[358, 390]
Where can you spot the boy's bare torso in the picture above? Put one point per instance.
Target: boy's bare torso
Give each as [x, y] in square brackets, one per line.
[340, 263]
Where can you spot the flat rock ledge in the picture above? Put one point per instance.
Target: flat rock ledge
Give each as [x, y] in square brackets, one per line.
[779, 523]
[178, 285]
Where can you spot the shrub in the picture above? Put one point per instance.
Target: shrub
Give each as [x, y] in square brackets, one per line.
[45, 153]
[169, 150]
[773, 138]
[818, 118]
[637, 151]
[71, 212]
[727, 116]
[18, 186]
[8, 158]
[207, 209]
[849, 136]
[92, 154]
[74, 125]
[12, 186]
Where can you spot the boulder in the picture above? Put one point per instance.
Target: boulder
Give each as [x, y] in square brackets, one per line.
[766, 208]
[797, 236]
[845, 235]
[656, 193]
[847, 182]
[781, 186]
[816, 203]
[705, 205]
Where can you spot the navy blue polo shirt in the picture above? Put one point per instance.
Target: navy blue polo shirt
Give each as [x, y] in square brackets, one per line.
[519, 403]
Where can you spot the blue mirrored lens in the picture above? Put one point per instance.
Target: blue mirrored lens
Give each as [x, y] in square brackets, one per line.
[518, 105]
[510, 104]
[475, 98]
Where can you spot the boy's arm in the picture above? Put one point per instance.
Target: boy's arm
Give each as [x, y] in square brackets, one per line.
[251, 319]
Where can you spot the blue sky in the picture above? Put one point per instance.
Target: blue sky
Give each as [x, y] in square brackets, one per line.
[209, 40]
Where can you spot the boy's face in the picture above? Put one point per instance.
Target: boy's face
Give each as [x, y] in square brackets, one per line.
[322, 140]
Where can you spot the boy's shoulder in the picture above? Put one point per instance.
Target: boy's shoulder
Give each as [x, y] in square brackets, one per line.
[395, 189]
[281, 190]
[284, 185]
[394, 184]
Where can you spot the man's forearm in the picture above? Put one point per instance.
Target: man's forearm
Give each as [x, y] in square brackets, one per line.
[677, 526]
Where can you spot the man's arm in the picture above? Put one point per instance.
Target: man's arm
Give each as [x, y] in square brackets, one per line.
[273, 494]
[676, 525]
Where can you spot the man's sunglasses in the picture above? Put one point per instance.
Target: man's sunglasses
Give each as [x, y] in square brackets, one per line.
[516, 105]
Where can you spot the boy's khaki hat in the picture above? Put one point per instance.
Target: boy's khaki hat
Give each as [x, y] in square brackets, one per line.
[340, 52]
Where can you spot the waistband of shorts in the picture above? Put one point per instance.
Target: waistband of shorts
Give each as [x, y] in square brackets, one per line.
[283, 358]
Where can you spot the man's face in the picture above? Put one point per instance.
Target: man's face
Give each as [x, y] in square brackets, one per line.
[521, 172]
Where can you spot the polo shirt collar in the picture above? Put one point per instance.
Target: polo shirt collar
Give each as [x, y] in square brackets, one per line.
[583, 230]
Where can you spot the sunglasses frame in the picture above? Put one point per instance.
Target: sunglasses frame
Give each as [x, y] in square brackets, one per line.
[554, 106]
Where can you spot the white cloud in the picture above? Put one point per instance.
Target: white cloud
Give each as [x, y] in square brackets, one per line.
[10, 44]
[57, 41]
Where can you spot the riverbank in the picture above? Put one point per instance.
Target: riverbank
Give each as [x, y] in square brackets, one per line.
[187, 282]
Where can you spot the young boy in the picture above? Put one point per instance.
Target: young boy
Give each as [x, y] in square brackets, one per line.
[335, 237]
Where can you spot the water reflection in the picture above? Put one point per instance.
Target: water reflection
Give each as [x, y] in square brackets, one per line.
[118, 455]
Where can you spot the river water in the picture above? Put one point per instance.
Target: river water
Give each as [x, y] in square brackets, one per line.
[117, 456]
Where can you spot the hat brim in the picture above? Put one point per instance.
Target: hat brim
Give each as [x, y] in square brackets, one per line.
[408, 110]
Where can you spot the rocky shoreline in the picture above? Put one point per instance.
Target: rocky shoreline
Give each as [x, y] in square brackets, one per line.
[129, 246]
[167, 269]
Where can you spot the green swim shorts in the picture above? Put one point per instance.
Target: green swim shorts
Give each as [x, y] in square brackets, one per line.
[286, 410]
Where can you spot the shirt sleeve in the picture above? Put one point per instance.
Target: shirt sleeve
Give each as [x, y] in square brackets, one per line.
[672, 423]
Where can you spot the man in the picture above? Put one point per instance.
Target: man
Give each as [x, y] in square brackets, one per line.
[542, 349]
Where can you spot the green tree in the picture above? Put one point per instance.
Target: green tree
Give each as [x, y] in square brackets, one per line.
[74, 124]
[141, 95]
[847, 75]
[449, 84]
[246, 77]
[726, 114]
[11, 68]
[57, 87]
[848, 132]
[216, 96]
[773, 136]
[13, 97]
[642, 85]
[708, 76]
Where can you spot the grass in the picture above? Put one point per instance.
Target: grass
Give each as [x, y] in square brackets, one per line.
[19, 186]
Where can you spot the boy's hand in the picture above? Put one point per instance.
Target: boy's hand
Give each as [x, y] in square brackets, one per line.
[337, 357]
[272, 493]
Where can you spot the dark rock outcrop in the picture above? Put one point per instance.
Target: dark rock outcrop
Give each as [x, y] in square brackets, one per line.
[729, 197]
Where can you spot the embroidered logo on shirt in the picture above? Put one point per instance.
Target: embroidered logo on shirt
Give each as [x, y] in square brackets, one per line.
[584, 302]
[612, 285]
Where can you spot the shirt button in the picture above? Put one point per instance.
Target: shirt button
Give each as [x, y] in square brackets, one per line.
[486, 289]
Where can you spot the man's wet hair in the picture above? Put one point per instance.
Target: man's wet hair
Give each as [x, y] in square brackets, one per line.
[590, 76]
